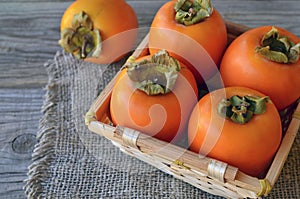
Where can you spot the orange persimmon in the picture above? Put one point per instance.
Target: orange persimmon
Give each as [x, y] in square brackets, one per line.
[98, 31]
[265, 59]
[154, 96]
[236, 125]
[193, 33]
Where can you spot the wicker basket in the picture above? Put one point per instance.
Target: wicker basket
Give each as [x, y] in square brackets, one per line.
[210, 175]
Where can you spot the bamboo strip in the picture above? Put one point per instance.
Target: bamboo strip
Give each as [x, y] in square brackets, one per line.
[284, 150]
[150, 145]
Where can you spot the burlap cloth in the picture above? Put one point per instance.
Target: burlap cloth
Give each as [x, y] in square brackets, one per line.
[69, 161]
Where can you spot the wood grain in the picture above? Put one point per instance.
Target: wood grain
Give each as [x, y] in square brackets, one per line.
[29, 33]
[20, 113]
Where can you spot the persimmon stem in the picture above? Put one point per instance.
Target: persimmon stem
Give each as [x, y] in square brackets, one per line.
[155, 76]
[241, 109]
[83, 48]
[278, 48]
[81, 39]
[192, 12]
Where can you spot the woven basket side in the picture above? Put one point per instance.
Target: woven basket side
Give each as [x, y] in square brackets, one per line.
[194, 177]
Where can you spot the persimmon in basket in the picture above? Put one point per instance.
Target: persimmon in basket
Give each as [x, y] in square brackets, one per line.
[155, 95]
[266, 59]
[193, 32]
[236, 125]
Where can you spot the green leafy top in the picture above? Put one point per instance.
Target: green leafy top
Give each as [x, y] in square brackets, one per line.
[278, 48]
[189, 13]
[241, 109]
[82, 40]
[155, 76]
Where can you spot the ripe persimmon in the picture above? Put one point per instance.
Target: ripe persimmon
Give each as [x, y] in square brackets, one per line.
[98, 31]
[193, 32]
[236, 125]
[265, 59]
[155, 95]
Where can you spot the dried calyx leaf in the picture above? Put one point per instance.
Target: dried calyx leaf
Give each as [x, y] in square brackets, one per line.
[155, 76]
[241, 109]
[192, 12]
[278, 48]
[81, 39]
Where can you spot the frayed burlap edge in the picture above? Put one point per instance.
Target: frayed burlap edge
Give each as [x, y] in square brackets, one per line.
[43, 152]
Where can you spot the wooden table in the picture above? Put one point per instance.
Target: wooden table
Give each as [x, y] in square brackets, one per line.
[29, 31]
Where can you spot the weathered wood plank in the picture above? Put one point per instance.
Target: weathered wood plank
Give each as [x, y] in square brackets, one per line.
[20, 111]
[258, 13]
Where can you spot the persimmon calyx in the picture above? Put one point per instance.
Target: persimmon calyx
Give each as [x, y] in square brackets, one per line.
[278, 48]
[82, 40]
[241, 109]
[155, 76]
[189, 13]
